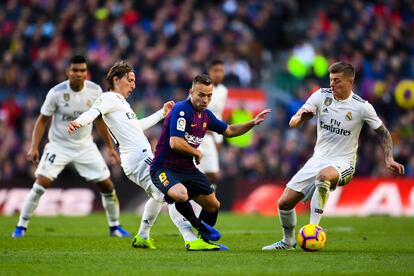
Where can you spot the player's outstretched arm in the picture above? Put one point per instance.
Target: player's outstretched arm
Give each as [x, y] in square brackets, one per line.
[37, 134]
[154, 118]
[386, 143]
[239, 129]
[300, 117]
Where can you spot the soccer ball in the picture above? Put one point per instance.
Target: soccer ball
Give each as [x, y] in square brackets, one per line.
[311, 237]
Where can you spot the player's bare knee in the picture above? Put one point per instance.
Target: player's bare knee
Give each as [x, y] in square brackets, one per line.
[284, 204]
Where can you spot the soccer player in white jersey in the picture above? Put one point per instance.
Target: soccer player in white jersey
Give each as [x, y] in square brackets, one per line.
[341, 115]
[135, 150]
[64, 103]
[209, 164]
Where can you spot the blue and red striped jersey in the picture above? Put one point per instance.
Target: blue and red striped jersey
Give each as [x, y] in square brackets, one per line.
[184, 121]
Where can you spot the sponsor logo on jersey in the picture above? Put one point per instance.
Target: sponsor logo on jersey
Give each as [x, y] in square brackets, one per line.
[71, 117]
[334, 128]
[325, 110]
[193, 140]
[328, 101]
[181, 124]
[131, 115]
[348, 116]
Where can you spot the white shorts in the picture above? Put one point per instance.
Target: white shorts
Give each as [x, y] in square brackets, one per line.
[304, 180]
[88, 161]
[210, 161]
[142, 177]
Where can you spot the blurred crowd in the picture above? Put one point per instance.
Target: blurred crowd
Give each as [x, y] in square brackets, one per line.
[170, 41]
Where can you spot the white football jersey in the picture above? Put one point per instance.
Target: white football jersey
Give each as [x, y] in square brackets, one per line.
[125, 128]
[340, 123]
[217, 105]
[218, 100]
[65, 105]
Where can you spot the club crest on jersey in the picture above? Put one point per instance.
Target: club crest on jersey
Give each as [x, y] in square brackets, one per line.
[88, 103]
[204, 125]
[348, 116]
[66, 97]
[182, 113]
[181, 124]
[328, 101]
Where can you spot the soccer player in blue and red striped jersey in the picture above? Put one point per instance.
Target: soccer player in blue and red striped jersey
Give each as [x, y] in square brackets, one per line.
[173, 170]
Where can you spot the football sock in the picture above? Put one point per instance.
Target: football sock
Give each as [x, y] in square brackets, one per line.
[187, 211]
[196, 208]
[30, 203]
[288, 220]
[182, 224]
[318, 202]
[209, 218]
[110, 203]
[151, 210]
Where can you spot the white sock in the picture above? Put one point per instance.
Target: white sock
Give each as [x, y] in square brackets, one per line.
[110, 203]
[30, 203]
[183, 225]
[151, 210]
[318, 202]
[288, 220]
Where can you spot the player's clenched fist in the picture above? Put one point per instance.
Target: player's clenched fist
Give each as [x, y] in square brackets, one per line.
[73, 125]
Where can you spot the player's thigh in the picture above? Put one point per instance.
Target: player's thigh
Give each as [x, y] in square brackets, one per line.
[346, 172]
[166, 179]
[196, 183]
[53, 161]
[90, 164]
[142, 177]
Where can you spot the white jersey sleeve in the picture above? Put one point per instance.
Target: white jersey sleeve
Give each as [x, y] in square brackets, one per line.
[88, 117]
[371, 117]
[152, 119]
[313, 101]
[49, 105]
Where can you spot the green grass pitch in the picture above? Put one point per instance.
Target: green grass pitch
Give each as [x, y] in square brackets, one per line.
[81, 246]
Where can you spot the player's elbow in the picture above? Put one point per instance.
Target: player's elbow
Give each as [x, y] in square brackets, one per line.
[173, 143]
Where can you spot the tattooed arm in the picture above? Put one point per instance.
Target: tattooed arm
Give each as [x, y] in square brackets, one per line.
[386, 143]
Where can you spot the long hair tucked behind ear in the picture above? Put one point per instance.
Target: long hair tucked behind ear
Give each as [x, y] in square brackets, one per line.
[119, 69]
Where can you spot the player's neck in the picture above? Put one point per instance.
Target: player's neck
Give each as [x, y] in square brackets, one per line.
[76, 88]
[343, 97]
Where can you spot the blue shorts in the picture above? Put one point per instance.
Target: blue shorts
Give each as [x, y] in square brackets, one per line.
[195, 181]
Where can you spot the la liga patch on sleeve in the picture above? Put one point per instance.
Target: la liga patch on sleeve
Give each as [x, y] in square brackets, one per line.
[181, 124]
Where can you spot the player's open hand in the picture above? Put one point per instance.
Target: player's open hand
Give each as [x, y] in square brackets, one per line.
[33, 155]
[395, 167]
[167, 107]
[261, 117]
[72, 126]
